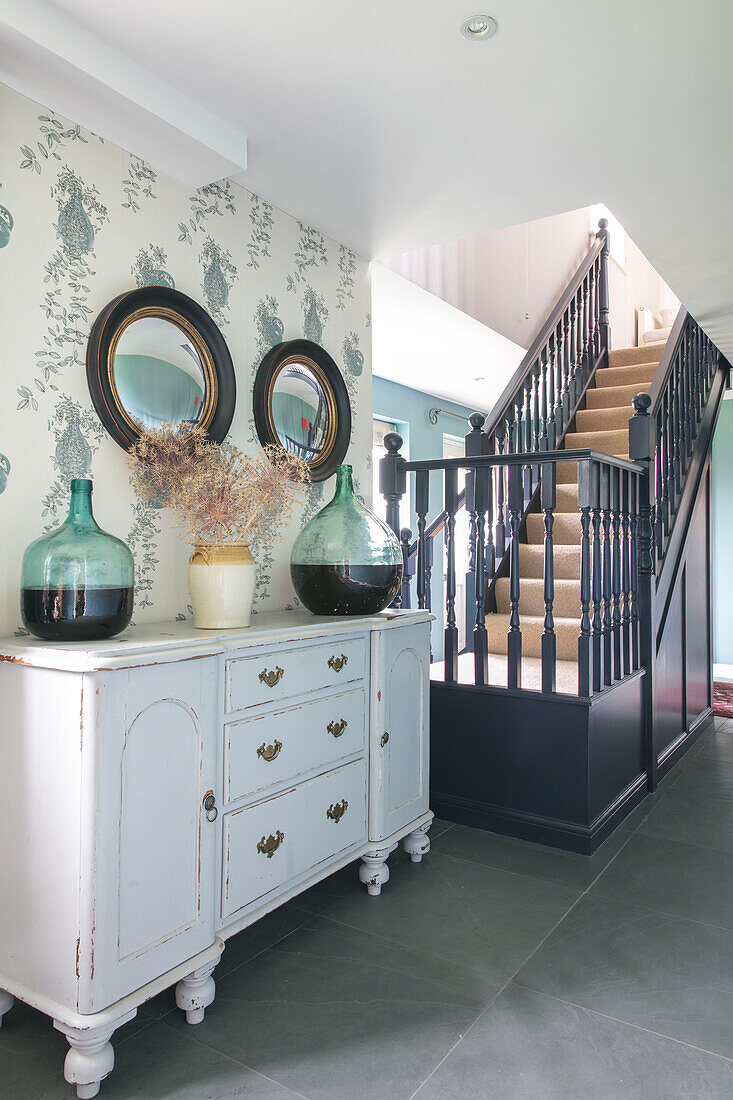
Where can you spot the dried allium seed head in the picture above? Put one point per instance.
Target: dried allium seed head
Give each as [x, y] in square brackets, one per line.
[216, 492]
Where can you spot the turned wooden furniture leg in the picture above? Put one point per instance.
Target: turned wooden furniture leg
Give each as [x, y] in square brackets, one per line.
[6, 1003]
[196, 992]
[417, 844]
[374, 871]
[91, 1057]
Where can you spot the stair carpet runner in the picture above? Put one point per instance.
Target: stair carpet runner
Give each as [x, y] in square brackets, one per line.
[603, 426]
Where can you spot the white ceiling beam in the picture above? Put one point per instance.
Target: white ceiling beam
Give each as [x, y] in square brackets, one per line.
[52, 60]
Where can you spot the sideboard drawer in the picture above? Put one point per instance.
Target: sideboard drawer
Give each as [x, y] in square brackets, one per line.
[273, 842]
[281, 745]
[283, 674]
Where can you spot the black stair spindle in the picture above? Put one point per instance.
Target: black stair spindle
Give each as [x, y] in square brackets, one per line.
[607, 586]
[604, 317]
[566, 343]
[626, 570]
[593, 354]
[514, 636]
[408, 567]
[480, 636]
[585, 358]
[585, 670]
[548, 500]
[422, 503]
[634, 581]
[597, 583]
[558, 388]
[658, 517]
[490, 551]
[542, 436]
[451, 630]
[616, 571]
[500, 537]
[392, 485]
[573, 381]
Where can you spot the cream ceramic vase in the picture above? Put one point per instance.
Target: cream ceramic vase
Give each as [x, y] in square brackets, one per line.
[221, 580]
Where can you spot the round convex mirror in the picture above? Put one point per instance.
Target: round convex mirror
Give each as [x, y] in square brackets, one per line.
[155, 358]
[300, 411]
[157, 374]
[301, 404]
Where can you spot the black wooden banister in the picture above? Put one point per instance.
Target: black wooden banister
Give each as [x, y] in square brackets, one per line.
[666, 363]
[554, 318]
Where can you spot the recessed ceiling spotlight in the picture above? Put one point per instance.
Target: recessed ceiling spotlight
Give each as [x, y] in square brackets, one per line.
[479, 26]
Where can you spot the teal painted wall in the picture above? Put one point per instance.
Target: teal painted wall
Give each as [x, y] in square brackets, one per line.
[723, 537]
[391, 401]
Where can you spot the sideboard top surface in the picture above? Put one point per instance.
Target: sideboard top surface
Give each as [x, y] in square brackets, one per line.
[168, 641]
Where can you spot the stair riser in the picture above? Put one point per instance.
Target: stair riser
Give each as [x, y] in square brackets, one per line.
[624, 356]
[612, 397]
[604, 420]
[566, 635]
[610, 443]
[566, 529]
[625, 376]
[566, 558]
[532, 600]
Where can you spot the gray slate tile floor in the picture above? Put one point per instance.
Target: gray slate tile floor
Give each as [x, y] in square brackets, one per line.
[496, 969]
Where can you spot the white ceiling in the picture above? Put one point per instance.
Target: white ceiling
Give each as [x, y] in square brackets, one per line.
[379, 124]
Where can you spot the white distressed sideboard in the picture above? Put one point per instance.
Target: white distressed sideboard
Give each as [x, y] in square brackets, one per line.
[161, 791]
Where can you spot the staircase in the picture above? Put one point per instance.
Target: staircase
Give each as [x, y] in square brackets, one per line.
[587, 674]
[603, 425]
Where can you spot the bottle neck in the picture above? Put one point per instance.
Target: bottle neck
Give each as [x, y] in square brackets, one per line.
[344, 483]
[80, 508]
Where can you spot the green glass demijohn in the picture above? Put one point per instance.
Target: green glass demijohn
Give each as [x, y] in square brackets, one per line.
[77, 582]
[346, 561]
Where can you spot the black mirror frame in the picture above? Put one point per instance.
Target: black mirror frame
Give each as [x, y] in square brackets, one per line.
[309, 353]
[156, 301]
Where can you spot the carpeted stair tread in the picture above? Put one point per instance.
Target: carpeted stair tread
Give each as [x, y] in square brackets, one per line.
[566, 497]
[603, 420]
[567, 473]
[612, 397]
[532, 562]
[532, 597]
[626, 376]
[623, 356]
[531, 626]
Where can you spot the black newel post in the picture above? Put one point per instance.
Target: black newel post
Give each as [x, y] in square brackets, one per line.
[408, 567]
[392, 485]
[642, 436]
[603, 299]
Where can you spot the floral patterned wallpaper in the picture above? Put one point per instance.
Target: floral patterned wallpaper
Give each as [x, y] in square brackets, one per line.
[81, 221]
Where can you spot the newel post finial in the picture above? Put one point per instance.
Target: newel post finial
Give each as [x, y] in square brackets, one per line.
[393, 480]
[475, 440]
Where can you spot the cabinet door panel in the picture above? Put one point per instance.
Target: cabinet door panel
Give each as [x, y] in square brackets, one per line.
[399, 728]
[153, 739]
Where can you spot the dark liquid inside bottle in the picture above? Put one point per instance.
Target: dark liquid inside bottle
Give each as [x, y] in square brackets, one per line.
[76, 614]
[346, 589]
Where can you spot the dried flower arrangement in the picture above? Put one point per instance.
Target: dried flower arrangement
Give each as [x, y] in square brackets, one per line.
[219, 496]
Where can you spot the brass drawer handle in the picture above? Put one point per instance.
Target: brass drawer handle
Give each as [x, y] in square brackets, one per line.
[269, 752]
[271, 677]
[337, 663]
[337, 728]
[270, 846]
[337, 812]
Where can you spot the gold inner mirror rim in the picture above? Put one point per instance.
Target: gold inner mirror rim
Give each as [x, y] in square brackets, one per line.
[331, 426]
[211, 386]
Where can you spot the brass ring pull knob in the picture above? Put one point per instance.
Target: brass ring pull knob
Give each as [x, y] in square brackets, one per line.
[269, 752]
[337, 728]
[337, 663]
[270, 846]
[271, 677]
[210, 807]
[337, 811]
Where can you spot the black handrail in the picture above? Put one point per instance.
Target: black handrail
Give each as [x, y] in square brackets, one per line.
[554, 318]
[666, 363]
